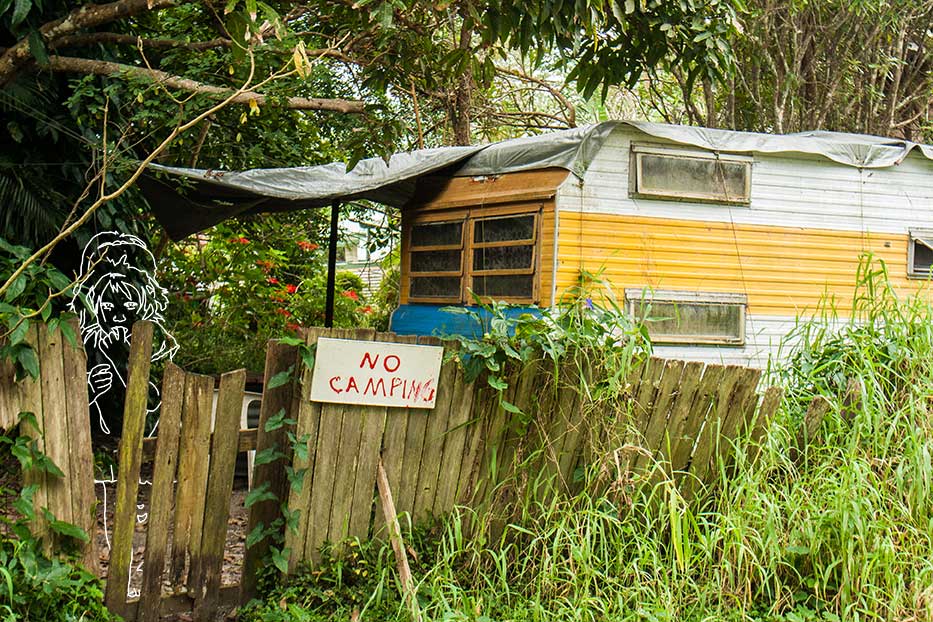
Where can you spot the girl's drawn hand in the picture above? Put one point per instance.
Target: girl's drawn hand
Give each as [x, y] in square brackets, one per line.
[100, 379]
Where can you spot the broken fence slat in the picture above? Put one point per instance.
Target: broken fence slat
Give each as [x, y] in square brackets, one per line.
[161, 497]
[223, 452]
[130, 456]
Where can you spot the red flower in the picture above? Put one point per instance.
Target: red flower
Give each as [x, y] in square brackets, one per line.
[238, 241]
[284, 312]
[277, 297]
[292, 326]
[272, 280]
[265, 264]
[367, 309]
[291, 289]
[307, 246]
[352, 295]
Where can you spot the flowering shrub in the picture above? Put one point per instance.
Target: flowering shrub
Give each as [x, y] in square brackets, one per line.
[232, 290]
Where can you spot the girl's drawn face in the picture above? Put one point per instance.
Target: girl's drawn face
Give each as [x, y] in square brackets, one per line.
[118, 305]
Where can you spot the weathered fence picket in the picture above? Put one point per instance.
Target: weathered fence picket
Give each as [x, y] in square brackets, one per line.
[59, 402]
[192, 482]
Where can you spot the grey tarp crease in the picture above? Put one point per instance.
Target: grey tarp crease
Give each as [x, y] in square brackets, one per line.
[189, 200]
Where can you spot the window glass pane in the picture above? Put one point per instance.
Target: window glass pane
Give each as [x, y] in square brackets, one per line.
[502, 257]
[435, 287]
[504, 229]
[701, 178]
[511, 286]
[923, 258]
[437, 234]
[687, 321]
[435, 261]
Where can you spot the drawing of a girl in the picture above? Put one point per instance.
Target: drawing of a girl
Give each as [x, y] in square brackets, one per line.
[118, 287]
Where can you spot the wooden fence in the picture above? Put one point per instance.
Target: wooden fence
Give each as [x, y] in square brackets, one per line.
[674, 419]
[59, 401]
[679, 418]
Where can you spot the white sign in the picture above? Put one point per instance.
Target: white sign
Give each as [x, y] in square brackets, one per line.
[374, 373]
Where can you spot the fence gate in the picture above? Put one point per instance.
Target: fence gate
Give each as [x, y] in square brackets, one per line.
[192, 484]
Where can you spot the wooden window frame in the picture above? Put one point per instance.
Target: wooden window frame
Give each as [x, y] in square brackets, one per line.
[467, 246]
[635, 174]
[435, 247]
[636, 296]
[918, 236]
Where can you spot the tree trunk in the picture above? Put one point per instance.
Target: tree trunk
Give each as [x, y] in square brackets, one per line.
[462, 109]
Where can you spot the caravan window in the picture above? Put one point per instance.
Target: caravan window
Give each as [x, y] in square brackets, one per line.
[690, 175]
[920, 254]
[490, 252]
[436, 261]
[689, 317]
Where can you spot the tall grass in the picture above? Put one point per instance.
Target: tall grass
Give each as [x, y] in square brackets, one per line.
[840, 531]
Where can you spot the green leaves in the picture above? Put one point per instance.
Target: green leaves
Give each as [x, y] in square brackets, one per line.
[21, 9]
[280, 379]
[27, 359]
[258, 494]
[277, 420]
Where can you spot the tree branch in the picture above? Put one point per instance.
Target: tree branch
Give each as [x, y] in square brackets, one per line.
[105, 68]
[555, 92]
[106, 198]
[115, 37]
[88, 16]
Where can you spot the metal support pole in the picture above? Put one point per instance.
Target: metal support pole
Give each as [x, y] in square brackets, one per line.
[331, 266]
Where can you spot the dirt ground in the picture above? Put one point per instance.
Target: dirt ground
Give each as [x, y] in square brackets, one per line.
[233, 549]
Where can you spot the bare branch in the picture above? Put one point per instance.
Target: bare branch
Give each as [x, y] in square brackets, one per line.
[105, 68]
[568, 106]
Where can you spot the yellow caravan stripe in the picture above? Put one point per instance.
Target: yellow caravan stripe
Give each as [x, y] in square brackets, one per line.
[782, 270]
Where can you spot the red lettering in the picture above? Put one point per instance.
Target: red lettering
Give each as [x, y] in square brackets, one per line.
[396, 383]
[415, 391]
[351, 384]
[332, 387]
[369, 360]
[385, 363]
[373, 387]
[429, 391]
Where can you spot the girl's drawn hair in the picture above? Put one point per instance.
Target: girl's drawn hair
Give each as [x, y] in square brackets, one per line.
[120, 263]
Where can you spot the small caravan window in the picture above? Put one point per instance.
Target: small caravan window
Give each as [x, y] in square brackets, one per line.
[689, 317]
[920, 254]
[682, 174]
[503, 256]
[490, 252]
[436, 263]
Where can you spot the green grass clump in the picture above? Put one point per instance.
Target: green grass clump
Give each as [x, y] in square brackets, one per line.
[841, 529]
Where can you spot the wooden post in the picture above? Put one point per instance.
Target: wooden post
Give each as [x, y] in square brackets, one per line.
[395, 537]
[279, 359]
[131, 449]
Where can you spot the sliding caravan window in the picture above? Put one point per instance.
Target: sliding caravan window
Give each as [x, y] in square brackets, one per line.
[676, 317]
[920, 254]
[690, 175]
[490, 252]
